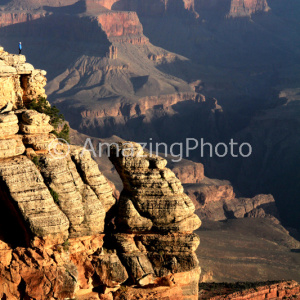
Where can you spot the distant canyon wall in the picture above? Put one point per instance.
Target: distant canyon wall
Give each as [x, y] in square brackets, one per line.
[231, 8]
[122, 27]
[243, 8]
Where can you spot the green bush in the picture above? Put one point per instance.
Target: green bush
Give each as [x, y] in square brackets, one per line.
[54, 196]
[36, 161]
[42, 106]
[56, 117]
[66, 245]
[64, 133]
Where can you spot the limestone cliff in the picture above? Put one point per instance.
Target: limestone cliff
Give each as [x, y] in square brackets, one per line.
[62, 232]
[19, 81]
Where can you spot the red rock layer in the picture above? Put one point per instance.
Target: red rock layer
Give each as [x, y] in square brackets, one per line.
[144, 104]
[122, 27]
[242, 8]
[281, 290]
[92, 4]
[155, 7]
[10, 18]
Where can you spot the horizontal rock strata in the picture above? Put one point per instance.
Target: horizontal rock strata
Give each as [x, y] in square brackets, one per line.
[157, 220]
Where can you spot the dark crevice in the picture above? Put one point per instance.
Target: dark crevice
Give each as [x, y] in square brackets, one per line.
[22, 290]
[13, 229]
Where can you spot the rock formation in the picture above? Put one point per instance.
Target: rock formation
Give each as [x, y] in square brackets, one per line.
[245, 8]
[19, 81]
[156, 220]
[156, 7]
[216, 200]
[122, 27]
[263, 290]
[62, 234]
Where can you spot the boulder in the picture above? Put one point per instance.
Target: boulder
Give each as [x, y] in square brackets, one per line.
[137, 264]
[110, 270]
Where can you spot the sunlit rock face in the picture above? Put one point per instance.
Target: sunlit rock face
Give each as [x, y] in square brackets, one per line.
[62, 231]
[243, 8]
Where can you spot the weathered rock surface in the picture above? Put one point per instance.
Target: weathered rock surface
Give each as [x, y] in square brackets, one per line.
[215, 200]
[122, 27]
[11, 146]
[188, 172]
[93, 177]
[24, 187]
[39, 142]
[245, 8]
[77, 200]
[53, 197]
[264, 290]
[8, 125]
[110, 270]
[151, 191]
[158, 219]
[19, 81]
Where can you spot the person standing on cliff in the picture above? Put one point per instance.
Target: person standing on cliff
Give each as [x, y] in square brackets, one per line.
[20, 47]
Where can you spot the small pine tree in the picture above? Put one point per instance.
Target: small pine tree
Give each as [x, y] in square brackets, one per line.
[64, 133]
[42, 106]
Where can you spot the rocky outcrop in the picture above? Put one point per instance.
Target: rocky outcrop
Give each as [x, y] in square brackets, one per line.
[11, 17]
[122, 27]
[263, 290]
[188, 172]
[215, 199]
[19, 81]
[260, 206]
[67, 236]
[153, 197]
[245, 8]
[54, 195]
[62, 205]
[207, 191]
[155, 220]
[156, 7]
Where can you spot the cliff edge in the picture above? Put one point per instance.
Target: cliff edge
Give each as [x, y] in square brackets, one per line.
[62, 232]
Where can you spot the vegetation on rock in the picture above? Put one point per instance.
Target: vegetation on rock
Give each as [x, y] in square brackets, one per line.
[41, 105]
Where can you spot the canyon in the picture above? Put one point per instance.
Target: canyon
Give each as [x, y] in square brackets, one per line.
[138, 91]
[165, 71]
[63, 232]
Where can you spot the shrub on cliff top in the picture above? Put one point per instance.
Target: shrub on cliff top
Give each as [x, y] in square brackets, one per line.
[56, 117]
[64, 133]
[42, 106]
